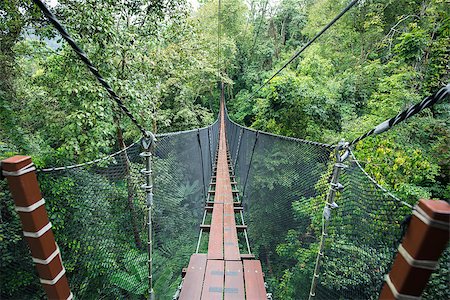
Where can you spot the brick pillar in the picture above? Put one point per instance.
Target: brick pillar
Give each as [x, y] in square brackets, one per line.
[417, 257]
[23, 184]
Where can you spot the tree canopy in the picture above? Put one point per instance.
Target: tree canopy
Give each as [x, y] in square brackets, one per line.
[161, 57]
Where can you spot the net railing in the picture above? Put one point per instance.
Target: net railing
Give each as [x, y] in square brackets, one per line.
[18, 278]
[284, 182]
[98, 213]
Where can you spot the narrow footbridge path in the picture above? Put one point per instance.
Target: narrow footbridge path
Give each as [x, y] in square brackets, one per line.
[223, 272]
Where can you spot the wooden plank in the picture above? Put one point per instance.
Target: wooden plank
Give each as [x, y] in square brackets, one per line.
[205, 227]
[193, 280]
[215, 243]
[214, 280]
[254, 280]
[241, 227]
[234, 281]
[230, 239]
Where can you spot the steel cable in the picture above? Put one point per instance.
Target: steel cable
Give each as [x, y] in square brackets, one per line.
[406, 114]
[83, 56]
[350, 5]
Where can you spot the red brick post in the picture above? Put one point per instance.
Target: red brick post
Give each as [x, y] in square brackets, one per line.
[417, 257]
[23, 184]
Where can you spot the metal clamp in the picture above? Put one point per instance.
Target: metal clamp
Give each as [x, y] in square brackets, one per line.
[27, 169]
[338, 187]
[425, 218]
[48, 259]
[149, 141]
[31, 207]
[38, 233]
[145, 171]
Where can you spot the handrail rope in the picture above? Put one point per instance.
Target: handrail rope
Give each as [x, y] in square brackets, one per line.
[279, 136]
[80, 165]
[377, 184]
[350, 5]
[83, 56]
[407, 113]
[185, 131]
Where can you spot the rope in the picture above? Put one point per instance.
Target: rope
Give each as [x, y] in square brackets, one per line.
[402, 116]
[288, 138]
[54, 21]
[160, 135]
[377, 184]
[350, 5]
[45, 170]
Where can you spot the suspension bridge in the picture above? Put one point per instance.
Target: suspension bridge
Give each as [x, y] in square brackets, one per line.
[247, 204]
[220, 273]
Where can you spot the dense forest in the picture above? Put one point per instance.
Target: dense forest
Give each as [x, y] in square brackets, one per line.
[162, 59]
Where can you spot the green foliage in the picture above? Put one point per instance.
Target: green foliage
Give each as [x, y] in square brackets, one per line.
[17, 274]
[135, 277]
[162, 59]
[373, 63]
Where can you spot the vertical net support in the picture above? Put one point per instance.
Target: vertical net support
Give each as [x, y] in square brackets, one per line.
[330, 203]
[238, 148]
[148, 143]
[363, 236]
[287, 184]
[103, 222]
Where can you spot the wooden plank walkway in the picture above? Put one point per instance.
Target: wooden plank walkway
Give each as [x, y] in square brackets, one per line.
[223, 272]
[194, 274]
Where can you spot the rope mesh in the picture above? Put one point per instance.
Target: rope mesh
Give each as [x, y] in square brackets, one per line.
[285, 182]
[18, 277]
[363, 237]
[98, 217]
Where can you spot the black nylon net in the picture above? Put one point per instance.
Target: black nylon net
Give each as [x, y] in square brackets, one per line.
[18, 278]
[98, 213]
[284, 183]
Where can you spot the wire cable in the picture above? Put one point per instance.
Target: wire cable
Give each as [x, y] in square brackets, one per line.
[406, 114]
[83, 56]
[350, 5]
[376, 183]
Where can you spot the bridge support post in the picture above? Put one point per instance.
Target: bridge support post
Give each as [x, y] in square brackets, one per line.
[335, 187]
[417, 257]
[20, 174]
[148, 143]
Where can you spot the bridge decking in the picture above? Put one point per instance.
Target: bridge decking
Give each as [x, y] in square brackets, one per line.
[223, 273]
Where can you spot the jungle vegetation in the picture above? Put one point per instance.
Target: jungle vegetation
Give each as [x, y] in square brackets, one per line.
[162, 59]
